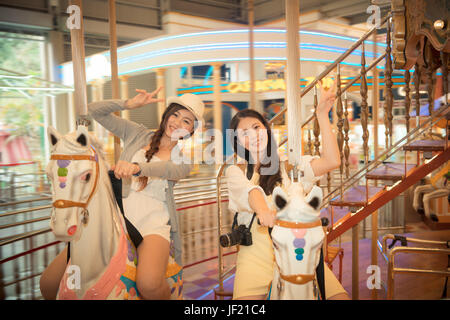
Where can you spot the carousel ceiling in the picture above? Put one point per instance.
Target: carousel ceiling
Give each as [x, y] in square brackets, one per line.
[148, 13]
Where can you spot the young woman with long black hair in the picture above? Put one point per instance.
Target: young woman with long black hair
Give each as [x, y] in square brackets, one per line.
[250, 188]
[148, 196]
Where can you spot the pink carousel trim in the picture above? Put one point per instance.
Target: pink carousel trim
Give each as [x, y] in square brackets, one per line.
[110, 278]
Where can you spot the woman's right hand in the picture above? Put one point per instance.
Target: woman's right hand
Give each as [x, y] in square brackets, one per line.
[142, 98]
[266, 218]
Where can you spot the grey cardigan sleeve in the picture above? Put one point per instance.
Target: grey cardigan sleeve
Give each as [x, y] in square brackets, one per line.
[102, 112]
[165, 169]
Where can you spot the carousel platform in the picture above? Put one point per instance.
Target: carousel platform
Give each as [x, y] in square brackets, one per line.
[200, 280]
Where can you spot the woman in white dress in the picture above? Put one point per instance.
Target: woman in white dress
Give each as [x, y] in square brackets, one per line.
[148, 196]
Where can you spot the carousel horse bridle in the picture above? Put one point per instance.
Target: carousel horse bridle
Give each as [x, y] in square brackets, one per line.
[60, 203]
[320, 272]
[297, 278]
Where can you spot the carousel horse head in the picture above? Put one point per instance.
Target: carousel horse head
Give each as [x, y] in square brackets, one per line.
[297, 238]
[74, 170]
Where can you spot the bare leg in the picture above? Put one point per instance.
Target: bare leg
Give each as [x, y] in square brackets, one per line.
[340, 296]
[153, 255]
[52, 275]
[260, 297]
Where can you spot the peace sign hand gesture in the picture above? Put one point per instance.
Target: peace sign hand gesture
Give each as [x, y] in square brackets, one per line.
[142, 98]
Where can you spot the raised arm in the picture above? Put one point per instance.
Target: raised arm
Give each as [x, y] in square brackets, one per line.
[329, 158]
[103, 113]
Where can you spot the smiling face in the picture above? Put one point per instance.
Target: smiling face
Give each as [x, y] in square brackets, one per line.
[179, 124]
[252, 135]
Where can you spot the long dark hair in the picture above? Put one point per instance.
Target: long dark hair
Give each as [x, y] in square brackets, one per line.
[269, 177]
[156, 138]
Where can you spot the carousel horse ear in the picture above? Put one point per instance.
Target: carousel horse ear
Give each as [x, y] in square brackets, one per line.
[314, 198]
[280, 198]
[53, 135]
[82, 135]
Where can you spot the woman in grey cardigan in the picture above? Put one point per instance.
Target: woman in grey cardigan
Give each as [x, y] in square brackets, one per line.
[148, 175]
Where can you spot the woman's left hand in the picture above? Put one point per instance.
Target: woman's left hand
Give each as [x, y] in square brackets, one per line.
[124, 169]
[327, 98]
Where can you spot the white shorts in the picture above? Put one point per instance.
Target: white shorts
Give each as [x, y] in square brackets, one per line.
[147, 214]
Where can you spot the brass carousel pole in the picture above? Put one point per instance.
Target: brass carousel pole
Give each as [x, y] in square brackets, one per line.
[114, 68]
[79, 68]
[375, 101]
[251, 19]
[293, 99]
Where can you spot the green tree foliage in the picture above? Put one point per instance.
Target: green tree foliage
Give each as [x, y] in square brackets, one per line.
[23, 119]
[19, 55]
[22, 116]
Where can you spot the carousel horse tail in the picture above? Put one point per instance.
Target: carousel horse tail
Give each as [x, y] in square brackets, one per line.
[134, 234]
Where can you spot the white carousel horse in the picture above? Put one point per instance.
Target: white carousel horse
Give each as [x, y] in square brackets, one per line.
[85, 214]
[438, 187]
[297, 238]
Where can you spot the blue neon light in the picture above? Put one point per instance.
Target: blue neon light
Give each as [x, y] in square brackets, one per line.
[304, 32]
[208, 74]
[233, 45]
[237, 45]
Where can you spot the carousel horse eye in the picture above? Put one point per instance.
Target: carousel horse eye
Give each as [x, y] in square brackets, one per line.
[314, 203]
[86, 177]
[280, 202]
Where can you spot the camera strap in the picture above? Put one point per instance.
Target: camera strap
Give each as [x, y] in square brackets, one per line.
[235, 222]
[251, 222]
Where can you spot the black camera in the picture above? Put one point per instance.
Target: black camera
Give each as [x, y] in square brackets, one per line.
[239, 235]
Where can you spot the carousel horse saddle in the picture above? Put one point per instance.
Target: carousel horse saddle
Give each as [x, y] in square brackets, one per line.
[116, 184]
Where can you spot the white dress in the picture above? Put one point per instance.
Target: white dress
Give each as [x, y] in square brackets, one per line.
[147, 209]
[239, 186]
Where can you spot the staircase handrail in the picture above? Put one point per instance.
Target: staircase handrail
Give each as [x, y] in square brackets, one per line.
[389, 152]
